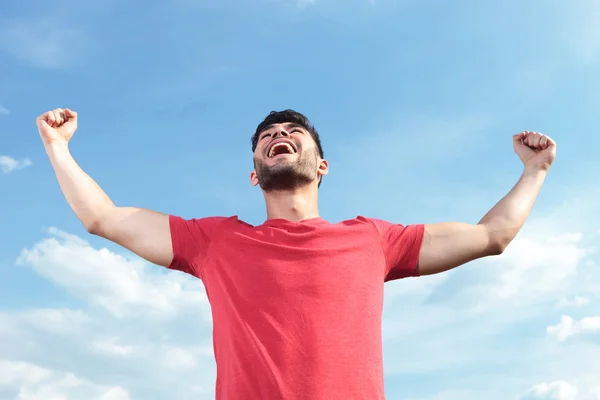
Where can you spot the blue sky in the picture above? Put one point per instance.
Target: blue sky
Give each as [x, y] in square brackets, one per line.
[416, 103]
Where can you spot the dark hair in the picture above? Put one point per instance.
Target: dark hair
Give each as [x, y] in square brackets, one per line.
[281, 117]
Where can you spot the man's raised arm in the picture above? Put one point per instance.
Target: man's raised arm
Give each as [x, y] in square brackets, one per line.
[448, 245]
[144, 232]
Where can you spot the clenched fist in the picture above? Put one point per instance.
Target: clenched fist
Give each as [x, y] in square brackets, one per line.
[537, 151]
[57, 126]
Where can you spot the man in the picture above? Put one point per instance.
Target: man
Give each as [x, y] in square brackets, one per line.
[296, 301]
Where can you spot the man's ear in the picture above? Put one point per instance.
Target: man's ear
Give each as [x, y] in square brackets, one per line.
[253, 178]
[323, 168]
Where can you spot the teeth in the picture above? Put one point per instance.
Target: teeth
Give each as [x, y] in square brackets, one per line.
[289, 148]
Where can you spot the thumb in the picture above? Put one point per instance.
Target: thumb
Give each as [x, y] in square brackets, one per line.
[71, 115]
[518, 138]
[551, 143]
[42, 121]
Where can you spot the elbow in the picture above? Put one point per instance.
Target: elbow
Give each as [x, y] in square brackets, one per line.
[496, 250]
[98, 223]
[94, 227]
[498, 240]
[498, 246]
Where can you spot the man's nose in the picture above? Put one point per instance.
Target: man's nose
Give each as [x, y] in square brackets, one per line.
[281, 132]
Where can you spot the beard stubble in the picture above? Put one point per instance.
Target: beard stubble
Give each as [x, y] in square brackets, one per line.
[288, 175]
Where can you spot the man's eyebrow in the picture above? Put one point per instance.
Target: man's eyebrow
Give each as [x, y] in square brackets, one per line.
[266, 128]
[293, 125]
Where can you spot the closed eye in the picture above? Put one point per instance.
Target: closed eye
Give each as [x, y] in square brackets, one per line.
[295, 130]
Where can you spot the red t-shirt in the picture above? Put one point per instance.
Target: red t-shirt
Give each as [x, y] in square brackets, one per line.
[296, 307]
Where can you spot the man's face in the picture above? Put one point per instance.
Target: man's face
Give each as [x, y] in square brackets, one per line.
[286, 158]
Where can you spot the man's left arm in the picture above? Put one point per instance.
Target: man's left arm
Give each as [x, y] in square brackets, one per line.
[449, 245]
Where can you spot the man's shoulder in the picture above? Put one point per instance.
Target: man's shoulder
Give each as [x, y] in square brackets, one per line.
[210, 223]
[362, 220]
[233, 222]
[378, 224]
[358, 222]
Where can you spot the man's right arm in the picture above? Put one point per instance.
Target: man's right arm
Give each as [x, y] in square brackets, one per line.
[144, 232]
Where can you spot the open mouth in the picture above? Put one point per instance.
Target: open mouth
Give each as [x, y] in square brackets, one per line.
[281, 148]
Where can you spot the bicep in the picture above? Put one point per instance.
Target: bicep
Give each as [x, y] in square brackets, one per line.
[451, 244]
[144, 232]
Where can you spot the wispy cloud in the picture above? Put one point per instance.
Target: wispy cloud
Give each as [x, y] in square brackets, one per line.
[41, 42]
[573, 302]
[4, 110]
[573, 43]
[582, 32]
[9, 164]
[304, 3]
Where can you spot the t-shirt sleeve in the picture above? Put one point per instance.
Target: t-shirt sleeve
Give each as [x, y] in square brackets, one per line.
[191, 239]
[401, 247]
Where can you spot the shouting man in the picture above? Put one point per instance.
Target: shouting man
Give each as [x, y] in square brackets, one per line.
[297, 301]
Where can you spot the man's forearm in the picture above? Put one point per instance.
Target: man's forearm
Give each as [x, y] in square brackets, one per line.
[506, 218]
[88, 201]
[448, 245]
[144, 232]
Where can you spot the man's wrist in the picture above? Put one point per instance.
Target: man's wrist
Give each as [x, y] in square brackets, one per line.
[535, 171]
[56, 148]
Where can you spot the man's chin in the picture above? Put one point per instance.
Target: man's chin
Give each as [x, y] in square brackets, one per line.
[281, 167]
[283, 179]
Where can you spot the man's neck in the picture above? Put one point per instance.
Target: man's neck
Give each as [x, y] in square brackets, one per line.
[292, 205]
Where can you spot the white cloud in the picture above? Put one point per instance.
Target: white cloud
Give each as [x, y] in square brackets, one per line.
[120, 284]
[534, 265]
[111, 347]
[415, 289]
[538, 266]
[567, 327]
[4, 110]
[595, 393]
[41, 42]
[478, 318]
[162, 340]
[27, 381]
[573, 302]
[156, 352]
[57, 321]
[141, 355]
[558, 390]
[9, 164]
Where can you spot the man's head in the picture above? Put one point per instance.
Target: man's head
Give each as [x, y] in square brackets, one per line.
[287, 152]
